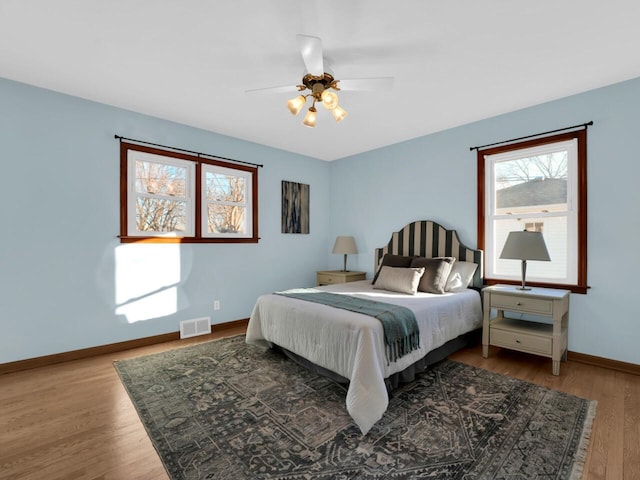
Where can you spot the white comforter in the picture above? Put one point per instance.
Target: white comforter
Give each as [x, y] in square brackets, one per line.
[352, 344]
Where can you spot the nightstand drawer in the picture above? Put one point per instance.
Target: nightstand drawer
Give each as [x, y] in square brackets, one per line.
[521, 341]
[527, 304]
[328, 279]
[331, 277]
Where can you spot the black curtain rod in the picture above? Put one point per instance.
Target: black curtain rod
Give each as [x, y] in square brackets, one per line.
[188, 151]
[582, 125]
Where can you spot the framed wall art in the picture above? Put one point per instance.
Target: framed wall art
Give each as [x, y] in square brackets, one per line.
[295, 207]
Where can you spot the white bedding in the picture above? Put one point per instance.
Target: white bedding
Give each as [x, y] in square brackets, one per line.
[352, 344]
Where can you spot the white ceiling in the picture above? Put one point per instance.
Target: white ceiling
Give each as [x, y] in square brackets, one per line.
[190, 61]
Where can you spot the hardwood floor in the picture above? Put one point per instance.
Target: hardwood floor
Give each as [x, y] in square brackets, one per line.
[75, 420]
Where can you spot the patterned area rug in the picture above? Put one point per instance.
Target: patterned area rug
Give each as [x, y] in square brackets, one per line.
[227, 410]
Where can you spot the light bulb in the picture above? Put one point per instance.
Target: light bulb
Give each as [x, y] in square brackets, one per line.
[339, 113]
[329, 100]
[295, 104]
[310, 118]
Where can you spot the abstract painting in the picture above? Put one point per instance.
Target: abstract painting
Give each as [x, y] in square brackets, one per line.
[295, 207]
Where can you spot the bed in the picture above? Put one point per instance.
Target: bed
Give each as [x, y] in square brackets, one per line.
[350, 347]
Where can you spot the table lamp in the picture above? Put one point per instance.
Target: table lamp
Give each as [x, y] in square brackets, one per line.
[345, 245]
[525, 246]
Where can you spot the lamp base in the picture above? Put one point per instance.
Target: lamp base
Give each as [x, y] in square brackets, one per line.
[524, 275]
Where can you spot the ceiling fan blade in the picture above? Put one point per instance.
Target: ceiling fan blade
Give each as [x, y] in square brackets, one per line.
[368, 84]
[282, 89]
[311, 51]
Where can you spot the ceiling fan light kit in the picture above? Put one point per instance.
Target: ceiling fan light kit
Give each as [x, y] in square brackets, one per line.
[319, 86]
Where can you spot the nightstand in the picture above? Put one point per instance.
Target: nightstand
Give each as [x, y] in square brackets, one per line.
[330, 277]
[546, 339]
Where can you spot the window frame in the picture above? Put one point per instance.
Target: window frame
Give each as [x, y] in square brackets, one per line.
[580, 136]
[196, 211]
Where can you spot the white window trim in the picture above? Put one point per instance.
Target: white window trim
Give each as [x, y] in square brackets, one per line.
[491, 255]
[132, 194]
[247, 204]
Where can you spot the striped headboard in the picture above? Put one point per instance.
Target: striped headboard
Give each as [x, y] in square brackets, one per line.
[430, 239]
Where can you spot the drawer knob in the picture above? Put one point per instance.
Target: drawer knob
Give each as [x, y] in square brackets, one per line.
[517, 341]
[519, 303]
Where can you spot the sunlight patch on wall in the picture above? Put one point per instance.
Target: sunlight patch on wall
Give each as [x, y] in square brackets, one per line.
[146, 279]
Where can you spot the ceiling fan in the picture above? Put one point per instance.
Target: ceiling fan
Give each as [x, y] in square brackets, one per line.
[321, 84]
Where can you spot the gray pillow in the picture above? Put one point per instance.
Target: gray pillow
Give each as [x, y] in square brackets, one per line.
[399, 279]
[436, 272]
[460, 276]
[390, 260]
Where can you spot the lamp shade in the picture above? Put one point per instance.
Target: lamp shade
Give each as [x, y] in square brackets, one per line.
[339, 113]
[345, 245]
[310, 118]
[295, 104]
[329, 100]
[525, 246]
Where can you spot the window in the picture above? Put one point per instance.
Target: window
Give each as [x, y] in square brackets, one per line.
[160, 195]
[175, 197]
[226, 200]
[536, 185]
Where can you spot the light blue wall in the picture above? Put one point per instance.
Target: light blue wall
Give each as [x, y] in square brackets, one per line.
[59, 209]
[434, 177]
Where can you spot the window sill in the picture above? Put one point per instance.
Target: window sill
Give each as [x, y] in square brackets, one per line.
[129, 239]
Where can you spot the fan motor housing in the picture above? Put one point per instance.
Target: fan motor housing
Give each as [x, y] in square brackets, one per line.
[318, 84]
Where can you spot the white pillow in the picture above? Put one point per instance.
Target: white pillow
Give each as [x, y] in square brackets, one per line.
[460, 276]
[398, 279]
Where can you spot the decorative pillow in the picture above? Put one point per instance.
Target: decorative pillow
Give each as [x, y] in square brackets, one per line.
[436, 272]
[399, 279]
[390, 260]
[461, 276]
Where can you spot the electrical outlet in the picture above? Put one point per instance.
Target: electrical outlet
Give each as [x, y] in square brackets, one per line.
[216, 305]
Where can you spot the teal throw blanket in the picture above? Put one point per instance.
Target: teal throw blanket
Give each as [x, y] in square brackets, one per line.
[401, 333]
